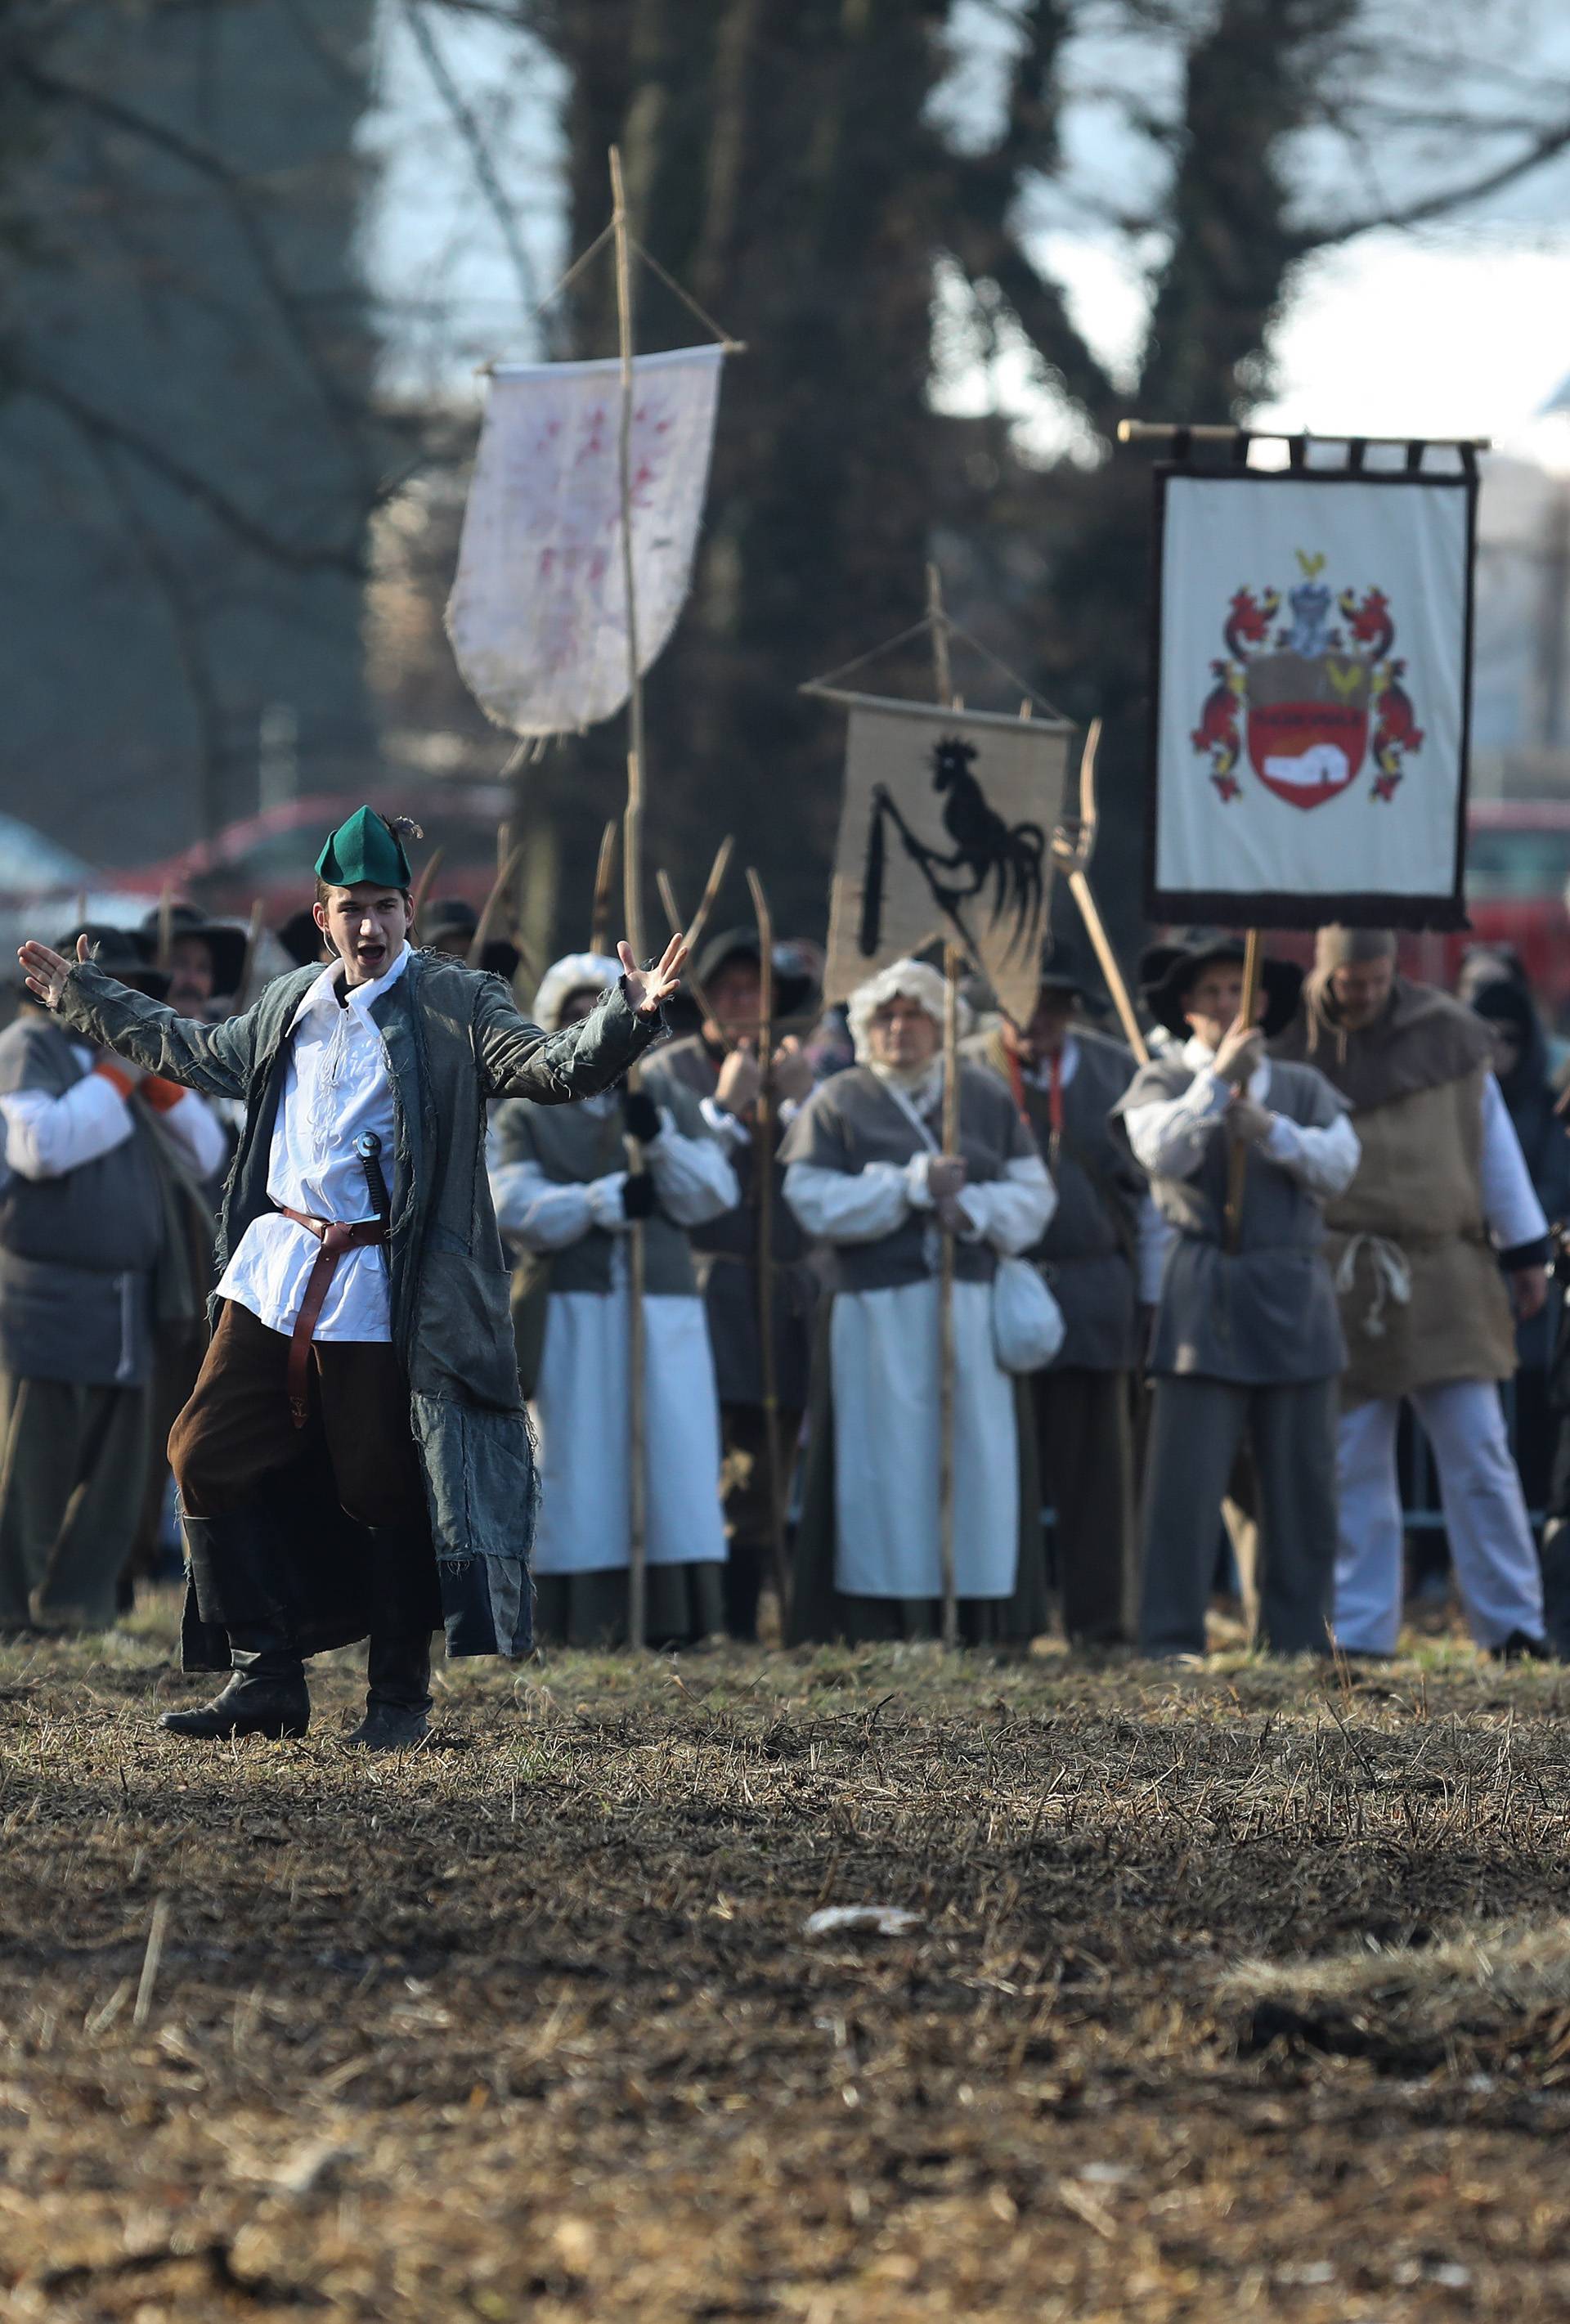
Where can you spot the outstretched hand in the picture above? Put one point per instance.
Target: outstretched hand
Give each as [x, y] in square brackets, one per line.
[46, 971]
[649, 989]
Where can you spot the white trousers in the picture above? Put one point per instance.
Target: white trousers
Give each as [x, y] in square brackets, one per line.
[885, 1351]
[585, 1467]
[1486, 1517]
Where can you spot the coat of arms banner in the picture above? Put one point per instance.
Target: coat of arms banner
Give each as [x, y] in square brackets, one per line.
[945, 831]
[1311, 696]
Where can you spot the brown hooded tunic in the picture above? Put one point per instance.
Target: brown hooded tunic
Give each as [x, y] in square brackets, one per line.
[1414, 1080]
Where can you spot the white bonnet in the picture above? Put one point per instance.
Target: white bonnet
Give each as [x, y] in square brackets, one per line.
[908, 980]
[567, 976]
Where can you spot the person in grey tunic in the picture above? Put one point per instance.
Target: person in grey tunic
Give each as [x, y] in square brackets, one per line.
[1248, 1342]
[1102, 1255]
[719, 1066]
[866, 1177]
[565, 1200]
[103, 1237]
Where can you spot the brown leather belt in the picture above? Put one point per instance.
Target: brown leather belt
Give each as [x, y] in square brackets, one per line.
[334, 1239]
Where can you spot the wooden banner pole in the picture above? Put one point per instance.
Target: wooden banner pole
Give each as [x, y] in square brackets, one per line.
[953, 965]
[1237, 1167]
[632, 913]
[764, 1188]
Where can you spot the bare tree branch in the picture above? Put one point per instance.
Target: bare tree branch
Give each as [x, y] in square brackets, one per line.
[985, 240]
[348, 417]
[1326, 234]
[99, 428]
[486, 178]
[184, 624]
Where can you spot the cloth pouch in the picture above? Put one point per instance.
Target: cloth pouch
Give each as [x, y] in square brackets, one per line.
[1028, 1325]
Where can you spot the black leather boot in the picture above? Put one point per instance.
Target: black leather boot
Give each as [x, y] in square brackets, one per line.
[267, 1695]
[397, 1692]
[408, 1609]
[234, 1563]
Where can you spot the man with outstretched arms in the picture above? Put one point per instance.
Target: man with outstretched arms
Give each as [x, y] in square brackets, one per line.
[1247, 1344]
[355, 1460]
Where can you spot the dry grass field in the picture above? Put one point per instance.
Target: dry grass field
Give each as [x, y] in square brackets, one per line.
[1242, 1992]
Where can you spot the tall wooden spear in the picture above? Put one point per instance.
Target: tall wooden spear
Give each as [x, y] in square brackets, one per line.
[604, 877]
[1073, 844]
[952, 962]
[632, 913]
[1237, 1161]
[763, 1184]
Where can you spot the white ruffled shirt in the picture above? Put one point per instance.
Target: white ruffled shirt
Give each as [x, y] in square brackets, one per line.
[338, 1085]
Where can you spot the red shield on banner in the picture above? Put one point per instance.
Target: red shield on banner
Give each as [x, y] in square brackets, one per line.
[1306, 751]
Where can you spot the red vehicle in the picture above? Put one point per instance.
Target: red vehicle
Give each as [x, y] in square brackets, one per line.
[1518, 868]
[269, 855]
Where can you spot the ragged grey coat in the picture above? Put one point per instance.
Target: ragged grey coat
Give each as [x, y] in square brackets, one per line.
[454, 1040]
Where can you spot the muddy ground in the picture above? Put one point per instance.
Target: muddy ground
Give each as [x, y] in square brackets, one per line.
[1242, 1992]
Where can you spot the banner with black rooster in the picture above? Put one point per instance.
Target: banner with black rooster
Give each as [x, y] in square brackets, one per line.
[946, 833]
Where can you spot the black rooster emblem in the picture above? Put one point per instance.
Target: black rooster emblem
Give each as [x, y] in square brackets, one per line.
[987, 850]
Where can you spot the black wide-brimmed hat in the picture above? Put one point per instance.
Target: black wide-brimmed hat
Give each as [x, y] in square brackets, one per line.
[1066, 969]
[301, 938]
[450, 927]
[225, 943]
[1169, 971]
[120, 953]
[794, 982]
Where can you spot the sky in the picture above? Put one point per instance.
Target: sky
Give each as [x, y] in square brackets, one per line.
[1462, 327]
[1446, 335]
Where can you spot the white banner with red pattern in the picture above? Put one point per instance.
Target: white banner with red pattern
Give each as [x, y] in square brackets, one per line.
[538, 615]
[1311, 696]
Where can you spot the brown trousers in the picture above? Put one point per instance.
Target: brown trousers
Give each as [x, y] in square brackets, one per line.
[1085, 1432]
[236, 1429]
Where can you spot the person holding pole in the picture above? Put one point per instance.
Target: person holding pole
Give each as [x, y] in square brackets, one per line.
[721, 1067]
[867, 1178]
[567, 1200]
[355, 1459]
[1102, 1255]
[1247, 1342]
[1440, 1245]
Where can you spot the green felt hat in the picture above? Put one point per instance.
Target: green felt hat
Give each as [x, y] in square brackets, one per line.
[363, 852]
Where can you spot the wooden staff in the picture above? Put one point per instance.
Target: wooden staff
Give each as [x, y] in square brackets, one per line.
[632, 912]
[712, 886]
[764, 1182]
[253, 944]
[953, 960]
[1074, 846]
[604, 877]
[165, 927]
[1237, 1161]
[493, 905]
[673, 915]
[424, 885]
